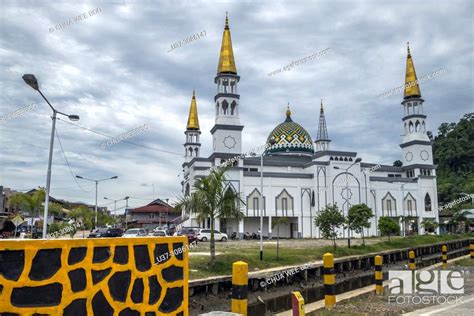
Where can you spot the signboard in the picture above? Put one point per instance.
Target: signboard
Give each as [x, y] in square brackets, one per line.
[17, 220]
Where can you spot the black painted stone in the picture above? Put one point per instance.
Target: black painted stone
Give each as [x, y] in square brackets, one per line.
[172, 273]
[9, 314]
[173, 299]
[31, 296]
[1, 289]
[12, 263]
[150, 314]
[101, 254]
[180, 314]
[142, 259]
[119, 284]
[99, 275]
[179, 254]
[100, 306]
[76, 308]
[121, 255]
[129, 312]
[76, 255]
[77, 279]
[155, 290]
[137, 291]
[161, 249]
[45, 264]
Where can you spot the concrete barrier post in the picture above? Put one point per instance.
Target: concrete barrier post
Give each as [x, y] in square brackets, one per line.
[240, 271]
[378, 275]
[329, 281]
[297, 304]
[444, 256]
[411, 260]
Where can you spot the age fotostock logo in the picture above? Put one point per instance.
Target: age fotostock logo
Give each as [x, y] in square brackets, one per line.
[425, 287]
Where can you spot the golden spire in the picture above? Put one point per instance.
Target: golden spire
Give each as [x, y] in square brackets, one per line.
[226, 58]
[193, 121]
[412, 89]
[288, 113]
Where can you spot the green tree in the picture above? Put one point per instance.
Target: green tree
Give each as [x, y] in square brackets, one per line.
[32, 203]
[459, 219]
[397, 163]
[55, 209]
[429, 225]
[84, 215]
[328, 221]
[358, 218]
[212, 198]
[388, 226]
[277, 223]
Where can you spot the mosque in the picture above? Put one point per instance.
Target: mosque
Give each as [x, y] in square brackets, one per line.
[302, 176]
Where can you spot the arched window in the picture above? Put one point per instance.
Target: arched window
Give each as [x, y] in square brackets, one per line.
[232, 108]
[389, 205]
[225, 106]
[187, 190]
[284, 204]
[410, 127]
[190, 152]
[427, 203]
[196, 150]
[253, 203]
[217, 108]
[417, 126]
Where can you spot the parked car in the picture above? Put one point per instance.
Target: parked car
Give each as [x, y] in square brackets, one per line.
[106, 232]
[190, 232]
[135, 232]
[159, 232]
[205, 235]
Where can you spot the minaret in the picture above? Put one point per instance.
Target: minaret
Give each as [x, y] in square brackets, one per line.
[227, 130]
[322, 140]
[416, 146]
[192, 146]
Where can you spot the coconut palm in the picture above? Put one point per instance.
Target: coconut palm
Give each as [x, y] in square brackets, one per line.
[28, 202]
[212, 198]
[277, 223]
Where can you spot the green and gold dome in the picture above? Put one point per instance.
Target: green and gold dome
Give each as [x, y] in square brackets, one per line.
[290, 137]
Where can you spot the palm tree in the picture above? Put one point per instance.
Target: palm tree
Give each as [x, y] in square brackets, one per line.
[212, 198]
[28, 202]
[277, 223]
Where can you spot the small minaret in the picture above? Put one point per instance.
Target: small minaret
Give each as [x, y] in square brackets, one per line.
[416, 145]
[227, 130]
[193, 145]
[322, 140]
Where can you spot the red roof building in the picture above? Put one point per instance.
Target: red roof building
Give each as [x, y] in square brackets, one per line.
[154, 214]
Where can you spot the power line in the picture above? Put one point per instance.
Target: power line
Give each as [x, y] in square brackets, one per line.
[67, 162]
[123, 141]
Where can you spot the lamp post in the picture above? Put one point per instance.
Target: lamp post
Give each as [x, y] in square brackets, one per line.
[96, 189]
[115, 202]
[271, 142]
[126, 208]
[33, 82]
[403, 210]
[347, 193]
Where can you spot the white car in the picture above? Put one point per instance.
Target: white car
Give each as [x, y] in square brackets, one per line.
[159, 232]
[135, 232]
[205, 235]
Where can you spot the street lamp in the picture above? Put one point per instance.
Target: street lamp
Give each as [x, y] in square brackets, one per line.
[271, 142]
[347, 192]
[96, 185]
[115, 202]
[33, 82]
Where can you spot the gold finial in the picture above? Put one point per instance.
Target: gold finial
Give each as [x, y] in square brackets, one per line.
[412, 89]
[288, 111]
[193, 121]
[226, 58]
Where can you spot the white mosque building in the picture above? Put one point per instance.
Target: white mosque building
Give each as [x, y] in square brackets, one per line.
[302, 176]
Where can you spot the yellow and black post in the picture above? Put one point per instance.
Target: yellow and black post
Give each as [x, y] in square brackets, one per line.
[240, 271]
[297, 303]
[378, 275]
[471, 248]
[444, 256]
[329, 281]
[411, 260]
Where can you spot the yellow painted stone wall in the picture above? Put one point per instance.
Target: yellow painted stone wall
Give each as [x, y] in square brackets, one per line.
[103, 276]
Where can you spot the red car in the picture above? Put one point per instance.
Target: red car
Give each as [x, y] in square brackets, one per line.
[190, 233]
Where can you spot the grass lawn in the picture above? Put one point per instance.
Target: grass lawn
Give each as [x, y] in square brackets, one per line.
[200, 266]
[468, 262]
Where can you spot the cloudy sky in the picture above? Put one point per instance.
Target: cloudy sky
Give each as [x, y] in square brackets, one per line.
[114, 69]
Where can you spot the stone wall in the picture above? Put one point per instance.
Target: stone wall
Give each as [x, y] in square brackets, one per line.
[103, 276]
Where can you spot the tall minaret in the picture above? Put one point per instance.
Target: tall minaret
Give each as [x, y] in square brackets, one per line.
[416, 145]
[322, 140]
[193, 145]
[227, 130]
